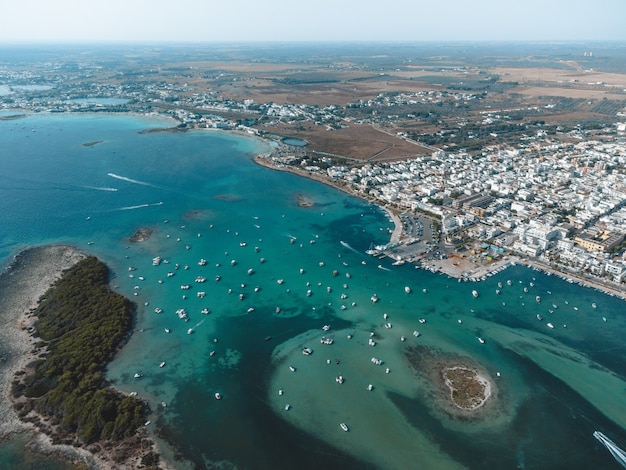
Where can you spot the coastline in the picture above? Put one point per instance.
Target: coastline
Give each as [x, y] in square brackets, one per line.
[471, 272]
[32, 272]
[24, 281]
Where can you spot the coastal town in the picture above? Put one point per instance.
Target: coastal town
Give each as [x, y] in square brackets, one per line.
[516, 185]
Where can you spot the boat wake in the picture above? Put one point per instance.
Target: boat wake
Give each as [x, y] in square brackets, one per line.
[95, 188]
[128, 208]
[198, 324]
[346, 245]
[129, 180]
[617, 453]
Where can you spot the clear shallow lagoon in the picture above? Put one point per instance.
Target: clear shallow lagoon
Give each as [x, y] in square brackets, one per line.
[204, 198]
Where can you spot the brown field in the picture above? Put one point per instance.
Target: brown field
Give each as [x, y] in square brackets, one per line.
[360, 142]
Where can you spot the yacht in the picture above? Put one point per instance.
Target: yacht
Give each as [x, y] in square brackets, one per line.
[307, 351]
[538, 299]
[204, 311]
[475, 293]
[480, 340]
[189, 331]
[344, 426]
[374, 298]
[407, 289]
[369, 388]
[339, 379]
[167, 330]
[162, 364]
[422, 320]
[292, 368]
[218, 396]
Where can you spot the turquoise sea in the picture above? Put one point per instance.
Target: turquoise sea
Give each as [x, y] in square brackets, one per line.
[275, 275]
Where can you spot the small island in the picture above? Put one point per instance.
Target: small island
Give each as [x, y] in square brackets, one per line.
[141, 235]
[304, 201]
[469, 390]
[461, 388]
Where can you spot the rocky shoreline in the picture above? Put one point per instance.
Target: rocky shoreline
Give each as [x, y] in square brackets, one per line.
[22, 285]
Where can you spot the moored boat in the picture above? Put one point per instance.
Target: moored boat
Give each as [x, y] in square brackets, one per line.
[344, 426]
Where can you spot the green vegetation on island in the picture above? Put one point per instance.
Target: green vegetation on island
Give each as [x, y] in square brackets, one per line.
[81, 323]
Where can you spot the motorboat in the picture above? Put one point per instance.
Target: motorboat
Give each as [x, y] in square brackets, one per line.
[339, 379]
[475, 293]
[162, 364]
[307, 351]
[344, 426]
[480, 340]
[407, 289]
[218, 396]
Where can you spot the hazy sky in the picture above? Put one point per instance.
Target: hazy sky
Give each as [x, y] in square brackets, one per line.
[316, 20]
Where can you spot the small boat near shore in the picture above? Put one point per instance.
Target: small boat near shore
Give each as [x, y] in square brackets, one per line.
[344, 426]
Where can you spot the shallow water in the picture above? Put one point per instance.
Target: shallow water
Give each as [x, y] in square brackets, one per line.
[203, 198]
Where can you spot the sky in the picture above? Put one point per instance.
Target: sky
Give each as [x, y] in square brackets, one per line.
[75, 21]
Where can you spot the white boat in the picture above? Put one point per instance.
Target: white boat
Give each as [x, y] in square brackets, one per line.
[416, 333]
[287, 406]
[280, 391]
[250, 271]
[344, 426]
[480, 340]
[204, 311]
[158, 310]
[326, 340]
[538, 299]
[369, 388]
[156, 261]
[475, 293]
[137, 375]
[218, 396]
[339, 379]
[162, 364]
[374, 298]
[422, 320]
[250, 310]
[189, 331]
[407, 289]
[167, 330]
[617, 453]
[549, 325]
[292, 368]
[326, 327]
[307, 351]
